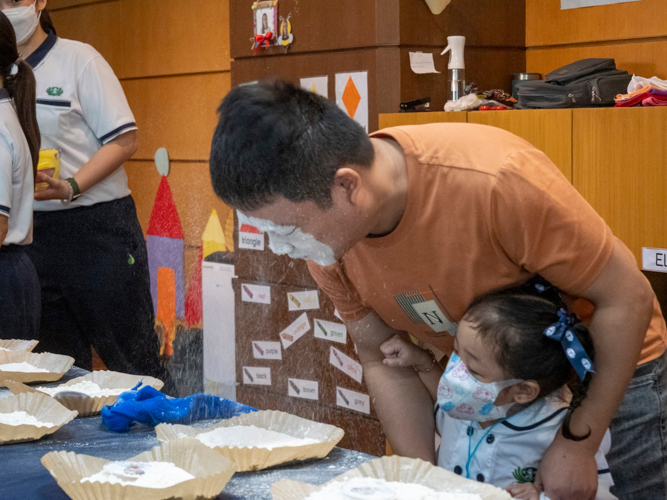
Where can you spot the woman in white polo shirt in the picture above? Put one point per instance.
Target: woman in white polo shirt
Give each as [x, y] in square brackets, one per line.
[88, 248]
[19, 153]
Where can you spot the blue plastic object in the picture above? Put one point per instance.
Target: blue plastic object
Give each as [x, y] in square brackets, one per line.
[150, 407]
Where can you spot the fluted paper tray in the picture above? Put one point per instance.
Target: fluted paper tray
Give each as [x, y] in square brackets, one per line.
[18, 345]
[212, 472]
[399, 469]
[89, 405]
[56, 364]
[40, 406]
[254, 458]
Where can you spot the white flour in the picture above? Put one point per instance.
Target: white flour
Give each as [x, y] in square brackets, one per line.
[368, 488]
[3, 349]
[242, 436]
[86, 387]
[21, 418]
[22, 367]
[143, 474]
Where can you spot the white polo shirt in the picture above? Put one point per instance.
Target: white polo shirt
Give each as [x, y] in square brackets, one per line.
[80, 107]
[512, 450]
[16, 182]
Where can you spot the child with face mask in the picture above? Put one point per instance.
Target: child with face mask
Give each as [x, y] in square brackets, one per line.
[520, 367]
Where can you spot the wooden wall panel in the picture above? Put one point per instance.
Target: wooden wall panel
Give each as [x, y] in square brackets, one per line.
[483, 22]
[97, 24]
[548, 130]
[190, 185]
[400, 119]
[178, 113]
[173, 39]
[646, 58]
[377, 62]
[63, 4]
[546, 24]
[619, 158]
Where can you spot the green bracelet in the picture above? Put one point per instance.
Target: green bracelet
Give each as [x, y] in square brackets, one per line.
[75, 187]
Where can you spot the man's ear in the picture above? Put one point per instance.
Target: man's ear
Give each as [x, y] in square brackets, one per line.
[525, 392]
[348, 181]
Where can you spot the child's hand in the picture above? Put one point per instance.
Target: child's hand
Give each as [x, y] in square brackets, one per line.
[524, 491]
[399, 352]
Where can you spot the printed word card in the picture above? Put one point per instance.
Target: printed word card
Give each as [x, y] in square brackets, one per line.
[256, 375]
[306, 389]
[336, 332]
[295, 331]
[256, 293]
[301, 301]
[346, 364]
[266, 350]
[353, 400]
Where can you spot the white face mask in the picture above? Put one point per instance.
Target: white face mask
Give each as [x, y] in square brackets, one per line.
[463, 397]
[24, 21]
[292, 241]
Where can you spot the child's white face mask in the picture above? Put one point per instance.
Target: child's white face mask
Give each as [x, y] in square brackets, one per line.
[24, 21]
[463, 397]
[292, 241]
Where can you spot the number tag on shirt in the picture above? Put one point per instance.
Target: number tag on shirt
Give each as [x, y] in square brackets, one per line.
[431, 314]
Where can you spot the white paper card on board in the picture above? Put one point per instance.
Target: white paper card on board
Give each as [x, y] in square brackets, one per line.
[654, 259]
[250, 238]
[353, 400]
[295, 331]
[352, 96]
[317, 84]
[346, 364]
[431, 314]
[256, 293]
[256, 375]
[301, 301]
[327, 330]
[337, 314]
[577, 4]
[266, 350]
[306, 389]
[422, 63]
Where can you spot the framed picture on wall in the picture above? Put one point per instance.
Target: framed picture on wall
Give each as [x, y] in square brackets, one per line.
[266, 19]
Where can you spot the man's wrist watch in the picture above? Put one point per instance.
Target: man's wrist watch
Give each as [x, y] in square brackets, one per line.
[74, 191]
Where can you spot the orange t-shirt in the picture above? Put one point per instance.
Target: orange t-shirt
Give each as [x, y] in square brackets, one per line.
[485, 210]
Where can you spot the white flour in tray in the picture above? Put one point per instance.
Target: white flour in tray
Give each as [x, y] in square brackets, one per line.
[249, 436]
[143, 474]
[86, 387]
[21, 418]
[22, 367]
[378, 489]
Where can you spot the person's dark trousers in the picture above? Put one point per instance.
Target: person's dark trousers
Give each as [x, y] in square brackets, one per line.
[93, 269]
[638, 455]
[19, 295]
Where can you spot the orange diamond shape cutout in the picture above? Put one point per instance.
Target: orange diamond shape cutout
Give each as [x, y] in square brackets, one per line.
[351, 98]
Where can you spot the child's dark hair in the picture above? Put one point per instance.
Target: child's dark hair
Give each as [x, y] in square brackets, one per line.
[513, 322]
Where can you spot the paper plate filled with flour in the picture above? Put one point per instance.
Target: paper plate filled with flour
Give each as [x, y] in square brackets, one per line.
[391, 478]
[28, 417]
[262, 439]
[90, 393]
[26, 367]
[18, 345]
[180, 469]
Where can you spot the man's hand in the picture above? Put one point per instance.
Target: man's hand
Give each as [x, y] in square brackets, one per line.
[525, 491]
[571, 460]
[401, 400]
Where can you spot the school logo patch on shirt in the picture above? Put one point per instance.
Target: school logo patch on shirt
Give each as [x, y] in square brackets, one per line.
[55, 91]
[526, 475]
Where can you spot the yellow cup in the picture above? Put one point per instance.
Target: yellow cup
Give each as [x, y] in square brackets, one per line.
[49, 163]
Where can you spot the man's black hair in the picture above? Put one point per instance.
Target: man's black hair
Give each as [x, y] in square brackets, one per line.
[275, 139]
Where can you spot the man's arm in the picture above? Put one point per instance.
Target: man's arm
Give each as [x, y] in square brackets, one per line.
[400, 398]
[623, 302]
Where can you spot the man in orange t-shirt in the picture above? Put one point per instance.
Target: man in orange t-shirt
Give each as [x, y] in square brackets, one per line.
[403, 230]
